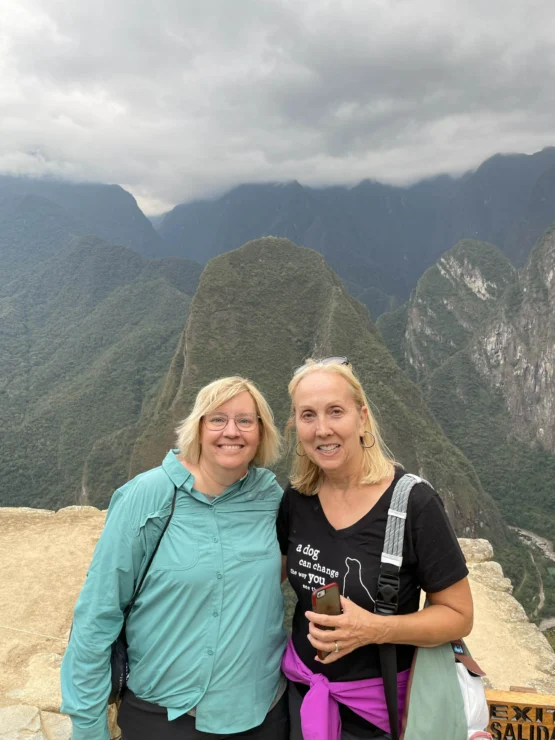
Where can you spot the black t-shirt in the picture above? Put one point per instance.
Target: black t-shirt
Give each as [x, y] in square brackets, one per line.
[318, 554]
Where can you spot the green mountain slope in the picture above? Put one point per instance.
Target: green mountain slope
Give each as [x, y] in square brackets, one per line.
[84, 340]
[108, 211]
[496, 398]
[32, 229]
[482, 342]
[450, 301]
[259, 311]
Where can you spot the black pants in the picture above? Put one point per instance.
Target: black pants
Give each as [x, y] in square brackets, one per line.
[295, 701]
[141, 720]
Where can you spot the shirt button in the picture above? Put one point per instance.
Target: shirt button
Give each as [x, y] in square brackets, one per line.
[215, 614]
[210, 652]
[215, 539]
[219, 575]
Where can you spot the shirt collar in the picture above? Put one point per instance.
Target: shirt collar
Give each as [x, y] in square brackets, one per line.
[182, 478]
[177, 472]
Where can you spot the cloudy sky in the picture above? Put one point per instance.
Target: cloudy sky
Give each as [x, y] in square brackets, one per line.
[181, 99]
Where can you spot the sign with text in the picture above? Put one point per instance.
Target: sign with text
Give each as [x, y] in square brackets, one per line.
[519, 716]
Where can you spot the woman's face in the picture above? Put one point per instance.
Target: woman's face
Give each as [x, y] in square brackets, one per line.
[232, 447]
[329, 424]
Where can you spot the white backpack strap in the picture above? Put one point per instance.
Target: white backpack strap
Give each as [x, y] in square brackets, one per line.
[396, 517]
[387, 598]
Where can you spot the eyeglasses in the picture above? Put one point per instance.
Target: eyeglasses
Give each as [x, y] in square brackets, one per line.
[243, 422]
[325, 361]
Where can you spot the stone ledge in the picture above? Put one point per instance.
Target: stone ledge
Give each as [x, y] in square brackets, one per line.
[43, 548]
[25, 722]
[476, 551]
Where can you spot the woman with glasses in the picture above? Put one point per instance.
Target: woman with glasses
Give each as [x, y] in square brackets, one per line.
[205, 636]
[331, 528]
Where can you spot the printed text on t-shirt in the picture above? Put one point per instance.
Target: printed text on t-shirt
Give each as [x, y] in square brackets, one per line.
[310, 570]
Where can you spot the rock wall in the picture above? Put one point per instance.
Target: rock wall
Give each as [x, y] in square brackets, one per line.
[44, 561]
[45, 556]
[510, 649]
[515, 351]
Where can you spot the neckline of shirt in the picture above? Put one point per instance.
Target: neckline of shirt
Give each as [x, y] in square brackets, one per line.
[382, 503]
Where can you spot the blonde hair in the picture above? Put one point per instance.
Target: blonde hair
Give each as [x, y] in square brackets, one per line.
[378, 461]
[211, 397]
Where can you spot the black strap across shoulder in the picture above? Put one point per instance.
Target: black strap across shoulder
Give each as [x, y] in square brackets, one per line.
[140, 584]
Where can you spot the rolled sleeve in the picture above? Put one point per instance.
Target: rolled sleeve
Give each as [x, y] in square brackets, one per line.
[97, 622]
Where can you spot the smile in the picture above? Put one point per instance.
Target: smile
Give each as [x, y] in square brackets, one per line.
[231, 447]
[327, 448]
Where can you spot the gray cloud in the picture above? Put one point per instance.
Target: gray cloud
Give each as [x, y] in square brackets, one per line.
[180, 99]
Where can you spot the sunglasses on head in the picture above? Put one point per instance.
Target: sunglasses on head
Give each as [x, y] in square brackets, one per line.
[325, 361]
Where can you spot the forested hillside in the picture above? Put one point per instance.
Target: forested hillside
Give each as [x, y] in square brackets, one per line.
[84, 339]
[379, 238]
[480, 338]
[37, 216]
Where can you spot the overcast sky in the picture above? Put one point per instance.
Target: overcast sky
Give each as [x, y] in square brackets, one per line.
[181, 99]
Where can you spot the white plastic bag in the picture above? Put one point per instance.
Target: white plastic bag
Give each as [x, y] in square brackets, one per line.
[475, 704]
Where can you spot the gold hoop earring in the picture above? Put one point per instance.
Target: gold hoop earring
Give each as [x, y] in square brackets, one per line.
[367, 447]
[297, 451]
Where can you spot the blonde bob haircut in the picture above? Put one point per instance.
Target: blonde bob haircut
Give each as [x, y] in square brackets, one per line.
[211, 397]
[377, 462]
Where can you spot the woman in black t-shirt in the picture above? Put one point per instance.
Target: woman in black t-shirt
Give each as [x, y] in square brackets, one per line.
[331, 528]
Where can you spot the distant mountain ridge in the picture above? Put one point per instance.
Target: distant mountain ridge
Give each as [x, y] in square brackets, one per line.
[38, 217]
[379, 238]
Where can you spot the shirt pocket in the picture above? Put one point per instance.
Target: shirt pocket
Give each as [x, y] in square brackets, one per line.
[178, 550]
[252, 531]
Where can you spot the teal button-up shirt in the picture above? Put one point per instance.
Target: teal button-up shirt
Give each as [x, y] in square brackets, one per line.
[206, 629]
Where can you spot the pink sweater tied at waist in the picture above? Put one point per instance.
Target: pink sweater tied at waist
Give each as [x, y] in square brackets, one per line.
[320, 718]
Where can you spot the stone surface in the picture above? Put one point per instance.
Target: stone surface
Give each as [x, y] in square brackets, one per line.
[56, 726]
[20, 721]
[45, 556]
[490, 574]
[510, 649]
[476, 551]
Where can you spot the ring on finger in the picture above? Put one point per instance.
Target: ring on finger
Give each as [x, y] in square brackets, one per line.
[336, 646]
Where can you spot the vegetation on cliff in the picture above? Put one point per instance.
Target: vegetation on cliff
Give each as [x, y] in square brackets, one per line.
[86, 337]
[477, 335]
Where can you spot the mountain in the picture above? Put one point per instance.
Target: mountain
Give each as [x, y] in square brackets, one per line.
[481, 340]
[378, 238]
[535, 218]
[492, 201]
[32, 229]
[515, 351]
[39, 217]
[259, 311]
[450, 301]
[85, 337]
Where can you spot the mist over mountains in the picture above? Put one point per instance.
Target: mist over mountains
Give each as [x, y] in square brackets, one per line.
[108, 327]
[379, 238]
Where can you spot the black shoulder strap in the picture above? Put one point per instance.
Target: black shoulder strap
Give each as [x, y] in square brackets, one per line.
[387, 597]
[140, 584]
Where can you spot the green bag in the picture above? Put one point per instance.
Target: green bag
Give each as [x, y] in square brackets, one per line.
[434, 700]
